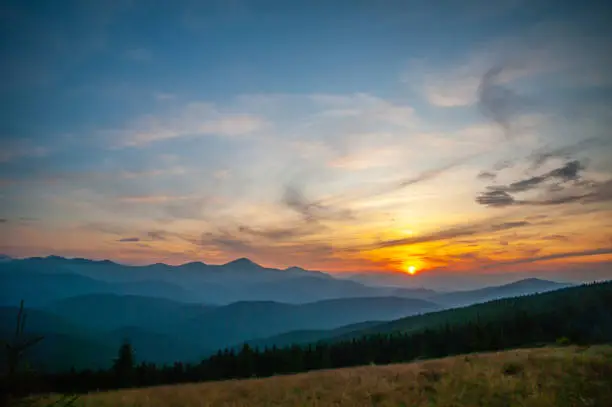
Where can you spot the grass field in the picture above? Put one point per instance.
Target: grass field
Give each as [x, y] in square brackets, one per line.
[544, 377]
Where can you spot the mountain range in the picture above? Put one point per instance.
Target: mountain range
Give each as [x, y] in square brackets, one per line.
[239, 280]
[85, 309]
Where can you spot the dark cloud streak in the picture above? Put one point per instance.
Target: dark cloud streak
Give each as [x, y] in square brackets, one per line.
[502, 195]
[487, 175]
[489, 226]
[312, 211]
[556, 256]
[498, 103]
[129, 240]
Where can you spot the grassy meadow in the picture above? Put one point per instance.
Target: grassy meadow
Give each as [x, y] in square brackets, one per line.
[542, 377]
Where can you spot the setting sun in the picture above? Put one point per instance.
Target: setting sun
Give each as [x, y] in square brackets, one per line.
[411, 269]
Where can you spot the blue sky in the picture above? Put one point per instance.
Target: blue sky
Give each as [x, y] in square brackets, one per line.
[309, 133]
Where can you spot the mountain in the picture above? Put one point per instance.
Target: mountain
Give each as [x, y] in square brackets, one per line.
[243, 264]
[592, 299]
[239, 280]
[197, 282]
[480, 310]
[213, 327]
[102, 312]
[307, 336]
[521, 287]
[38, 286]
[243, 321]
[64, 344]
[579, 315]
[422, 293]
[163, 331]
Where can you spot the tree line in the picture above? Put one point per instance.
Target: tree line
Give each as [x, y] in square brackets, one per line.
[582, 315]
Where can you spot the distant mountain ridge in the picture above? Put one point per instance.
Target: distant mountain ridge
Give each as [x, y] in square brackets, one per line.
[198, 282]
[241, 279]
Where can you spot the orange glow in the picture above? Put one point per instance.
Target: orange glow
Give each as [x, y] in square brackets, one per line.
[410, 267]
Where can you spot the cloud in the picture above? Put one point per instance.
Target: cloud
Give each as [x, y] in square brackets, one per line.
[556, 256]
[560, 238]
[601, 192]
[129, 239]
[402, 183]
[495, 198]
[103, 227]
[151, 173]
[171, 207]
[151, 199]
[241, 244]
[157, 235]
[508, 225]
[488, 175]
[570, 53]
[568, 172]
[188, 209]
[498, 102]
[13, 149]
[194, 119]
[460, 231]
[365, 107]
[312, 211]
[501, 195]
[279, 234]
[539, 158]
[596, 192]
[461, 93]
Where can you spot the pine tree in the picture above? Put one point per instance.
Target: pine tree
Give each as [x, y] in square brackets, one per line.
[124, 365]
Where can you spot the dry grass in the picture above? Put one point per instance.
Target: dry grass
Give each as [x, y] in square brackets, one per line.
[544, 377]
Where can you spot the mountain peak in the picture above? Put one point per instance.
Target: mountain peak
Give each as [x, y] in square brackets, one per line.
[53, 257]
[192, 265]
[243, 263]
[533, 281]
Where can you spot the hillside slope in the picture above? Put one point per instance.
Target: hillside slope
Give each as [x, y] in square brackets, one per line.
[592, 301]
[522, 287]
[561, 377]
[164, 331]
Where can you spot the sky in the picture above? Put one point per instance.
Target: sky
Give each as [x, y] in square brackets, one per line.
[348, 136]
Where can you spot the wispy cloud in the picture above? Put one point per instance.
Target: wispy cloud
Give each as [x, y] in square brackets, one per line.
[546, 48]
[459, 231]
[13, 149]
[312, 211]
[498, 102]
[151, 199]
[565, 185]
[129, 240]
[365, 107]
[194, 119]
[556, 256]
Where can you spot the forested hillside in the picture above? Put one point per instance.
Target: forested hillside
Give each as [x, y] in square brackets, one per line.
[581, 315]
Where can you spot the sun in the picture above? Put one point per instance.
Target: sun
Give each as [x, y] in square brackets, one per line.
[411, 270]
[411, 266]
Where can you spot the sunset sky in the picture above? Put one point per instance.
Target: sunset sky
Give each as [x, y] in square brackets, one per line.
[337, 136]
